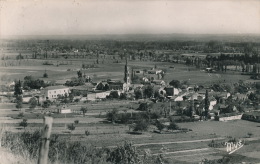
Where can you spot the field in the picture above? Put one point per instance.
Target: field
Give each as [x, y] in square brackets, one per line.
[110, 70]
[188, 147]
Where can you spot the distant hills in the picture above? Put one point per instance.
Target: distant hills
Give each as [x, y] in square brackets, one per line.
[145, 37]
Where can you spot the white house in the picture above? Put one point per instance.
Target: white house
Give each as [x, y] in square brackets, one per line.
[52, 92]
[212, 103]
[97, 95]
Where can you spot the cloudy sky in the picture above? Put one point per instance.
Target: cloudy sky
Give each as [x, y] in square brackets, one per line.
[82, 17]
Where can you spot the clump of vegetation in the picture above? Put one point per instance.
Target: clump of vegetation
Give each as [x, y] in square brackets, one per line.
[19, 102]
[33, 103]
[141, 125]
[250, 134]
[84, 110]
[45, 75]
[27, 145]
[87, 133]
[112, 115]
[21, 115]
[173, 126]
[71, 127]
[23, 123]
[159, 125]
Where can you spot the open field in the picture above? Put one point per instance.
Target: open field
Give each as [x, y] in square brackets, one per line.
[189, 147]
[110, 70]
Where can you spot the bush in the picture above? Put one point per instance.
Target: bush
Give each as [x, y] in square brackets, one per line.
[173, 126]
[45, 75]
[143, 107]
[71, 127]
[124, 154]
[76, 121]
[23, 123]
[87, 133]
[114, 94]
[21, 115]
[141, 125]
[112, 115]
[159, 125]
[27, 145]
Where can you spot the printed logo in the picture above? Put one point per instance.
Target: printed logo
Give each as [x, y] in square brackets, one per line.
[233, 146]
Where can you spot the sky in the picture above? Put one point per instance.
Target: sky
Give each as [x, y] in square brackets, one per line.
[84, 17]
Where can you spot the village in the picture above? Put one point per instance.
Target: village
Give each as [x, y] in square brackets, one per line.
[147, 97]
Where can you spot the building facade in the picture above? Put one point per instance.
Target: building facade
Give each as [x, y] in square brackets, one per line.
[51, 93]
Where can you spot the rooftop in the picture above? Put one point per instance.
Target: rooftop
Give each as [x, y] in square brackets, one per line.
[56, 87]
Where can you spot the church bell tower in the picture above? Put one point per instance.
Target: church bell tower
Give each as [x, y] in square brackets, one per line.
[127, 74]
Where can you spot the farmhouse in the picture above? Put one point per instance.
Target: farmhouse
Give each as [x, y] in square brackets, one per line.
[154, 71]
[171, 91]
[27, 98]
[52, 92]
[92, 96]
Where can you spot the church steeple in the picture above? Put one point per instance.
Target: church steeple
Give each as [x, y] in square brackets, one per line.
[126, 73]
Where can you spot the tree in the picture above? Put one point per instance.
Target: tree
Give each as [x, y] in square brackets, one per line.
[148, 91]
[191, 109]
[19, 102]
[138, 93]
[206, 104]
[143, 107]
[17, 88]
[46, 104]
[126, 154]
[175, 83]
[141, 125]
[123, 96]
[84, 110]
[114, 94]
[159, 125]
[23, 123]
[71, 127]
[33, 103]
[71, 97]
[30, 82]
[112, 115]
[79, 74]
[45, 75]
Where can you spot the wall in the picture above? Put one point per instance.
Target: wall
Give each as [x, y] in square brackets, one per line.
[238, 117]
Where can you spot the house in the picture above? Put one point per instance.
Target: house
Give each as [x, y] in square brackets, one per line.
[116, 85]
[171, 91]
[52, 92]
[138, 72]
[154, 71]
[64, 109]
[212, 103]
[158, 82]
[92, 96]
[239, 96]
[145, 79]
[179, 98]
[195, 96]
